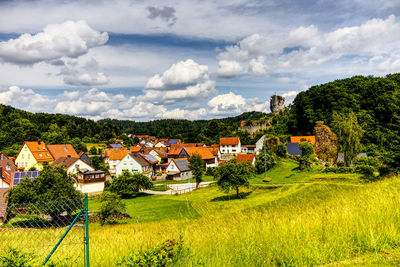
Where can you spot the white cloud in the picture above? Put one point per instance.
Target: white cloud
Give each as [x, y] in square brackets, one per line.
[86, 79]
[185, 80]
[69, 39]
[306, 47]
[24, 98]
[228, 69]
[232, 104]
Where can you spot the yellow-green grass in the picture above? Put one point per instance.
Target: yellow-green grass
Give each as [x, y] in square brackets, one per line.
[286, 171]
[308, 224]
[96, 145]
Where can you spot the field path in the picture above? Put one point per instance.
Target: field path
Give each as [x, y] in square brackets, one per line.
[178, 188]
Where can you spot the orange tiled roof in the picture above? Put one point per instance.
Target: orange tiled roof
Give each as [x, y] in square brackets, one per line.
[116, 154]
[135, 149]
[59, 151]
[298, 139]
[244, 157]
[204, 152]
[39, 151]
[248, 145]
[229, 140]
[214, 149]
[175, 149]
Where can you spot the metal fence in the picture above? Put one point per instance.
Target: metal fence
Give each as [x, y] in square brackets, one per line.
[53, 232]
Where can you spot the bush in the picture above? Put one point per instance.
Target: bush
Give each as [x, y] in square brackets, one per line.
[111, 204]
[166, 254]
[367, 171]
[267, 179]
[339, 170]
[15, 257]
[340, 163]
[128, 185]
[368, 161]
[210, 171]
[281, 151]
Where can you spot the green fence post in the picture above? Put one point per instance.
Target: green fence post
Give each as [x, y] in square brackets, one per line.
[87, 231]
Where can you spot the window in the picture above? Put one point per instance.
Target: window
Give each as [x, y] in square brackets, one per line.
[29, 156]
[25, 148]
[22, 156]
[26, 164]
[47, 154]
[233, 150]
[40, 155]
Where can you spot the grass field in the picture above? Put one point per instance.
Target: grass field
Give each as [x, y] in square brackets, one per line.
[97, 146]
[303, 219]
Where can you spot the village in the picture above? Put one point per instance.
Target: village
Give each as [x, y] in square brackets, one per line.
[158, 159]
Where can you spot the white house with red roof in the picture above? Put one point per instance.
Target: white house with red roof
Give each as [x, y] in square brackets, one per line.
[230, 145]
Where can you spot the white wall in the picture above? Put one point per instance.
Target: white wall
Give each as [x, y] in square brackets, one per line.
[230, 149]
[81, 165]
[3, 184]
[90, 188]
[260, 144]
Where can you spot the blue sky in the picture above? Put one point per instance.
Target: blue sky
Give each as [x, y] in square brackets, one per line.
[145, 60]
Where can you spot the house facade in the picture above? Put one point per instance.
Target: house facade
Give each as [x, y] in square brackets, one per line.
[134, 163]
[248, 148]
[33, 154]
[230, 145]
[112, 157]
[205, 154]
[178, 170]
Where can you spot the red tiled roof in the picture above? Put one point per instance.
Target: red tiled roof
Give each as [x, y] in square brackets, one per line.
[204, 152]
[116, 153]
[229, 140]
[39, 151]
[248, 145]
[244, 157]
[59, 151]
[298, 139]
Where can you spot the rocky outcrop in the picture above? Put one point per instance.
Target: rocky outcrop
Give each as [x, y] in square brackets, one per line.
[277, 104]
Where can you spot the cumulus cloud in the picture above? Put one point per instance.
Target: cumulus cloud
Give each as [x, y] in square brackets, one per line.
[184, 80]
[86, 79]
[232, 104]
[70, 39]
[228, 69]
[165, 13]
[307, 47]
[24, 98]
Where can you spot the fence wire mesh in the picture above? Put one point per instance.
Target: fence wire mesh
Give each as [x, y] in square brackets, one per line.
[36, 228]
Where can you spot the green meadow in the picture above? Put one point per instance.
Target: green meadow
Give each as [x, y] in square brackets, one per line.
[312, 219]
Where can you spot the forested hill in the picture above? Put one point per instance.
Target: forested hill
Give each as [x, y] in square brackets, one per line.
[190, 131]
[374, 100]
[18, 126]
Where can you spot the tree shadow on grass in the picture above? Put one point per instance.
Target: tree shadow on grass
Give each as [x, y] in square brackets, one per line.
[231, 197]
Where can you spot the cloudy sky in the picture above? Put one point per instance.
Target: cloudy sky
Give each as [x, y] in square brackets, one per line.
[193, 59]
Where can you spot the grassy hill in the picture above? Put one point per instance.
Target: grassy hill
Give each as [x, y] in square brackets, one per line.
[338, 222]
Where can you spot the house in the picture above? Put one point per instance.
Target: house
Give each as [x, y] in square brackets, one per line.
[33, 154]
[246, 157]
[3, 205]
[248, 148]
[137, 149]
[230, 145]
[160, 153]
[113, 156]
[59, 151]
[175, 149]
[298, 139]
[178, 169]
[214, 149]
[260, 144]
[203, 152]
[88, 180]
[83, 156]
[7, 168]
[134, 163]
[293, 149]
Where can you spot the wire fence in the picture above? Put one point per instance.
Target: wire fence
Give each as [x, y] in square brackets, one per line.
[51, 232]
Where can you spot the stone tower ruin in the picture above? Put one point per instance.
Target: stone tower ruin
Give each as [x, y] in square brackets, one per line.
[277, 104]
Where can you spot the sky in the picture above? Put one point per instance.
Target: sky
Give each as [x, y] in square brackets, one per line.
[193, 59]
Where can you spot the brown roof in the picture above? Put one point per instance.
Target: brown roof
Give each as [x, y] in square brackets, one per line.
[175, 149]
[204, 152]
[116, 153]
[59, 151]
[229, 140]
[214, 149]
[39, 151]
[64, 162]
[248, 145]
[3, 203]
[244, 157]
[161, 151]
[10, 163]
[140, 160]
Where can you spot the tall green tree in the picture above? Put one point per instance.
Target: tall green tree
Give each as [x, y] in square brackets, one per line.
[197, 165]
[233, 175]
[308, 155]
[349, 134]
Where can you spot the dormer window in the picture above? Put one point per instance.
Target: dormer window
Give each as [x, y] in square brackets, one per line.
[40, 155]
[44, 148]
[8, 168]
[47, 154]
[25, 148]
